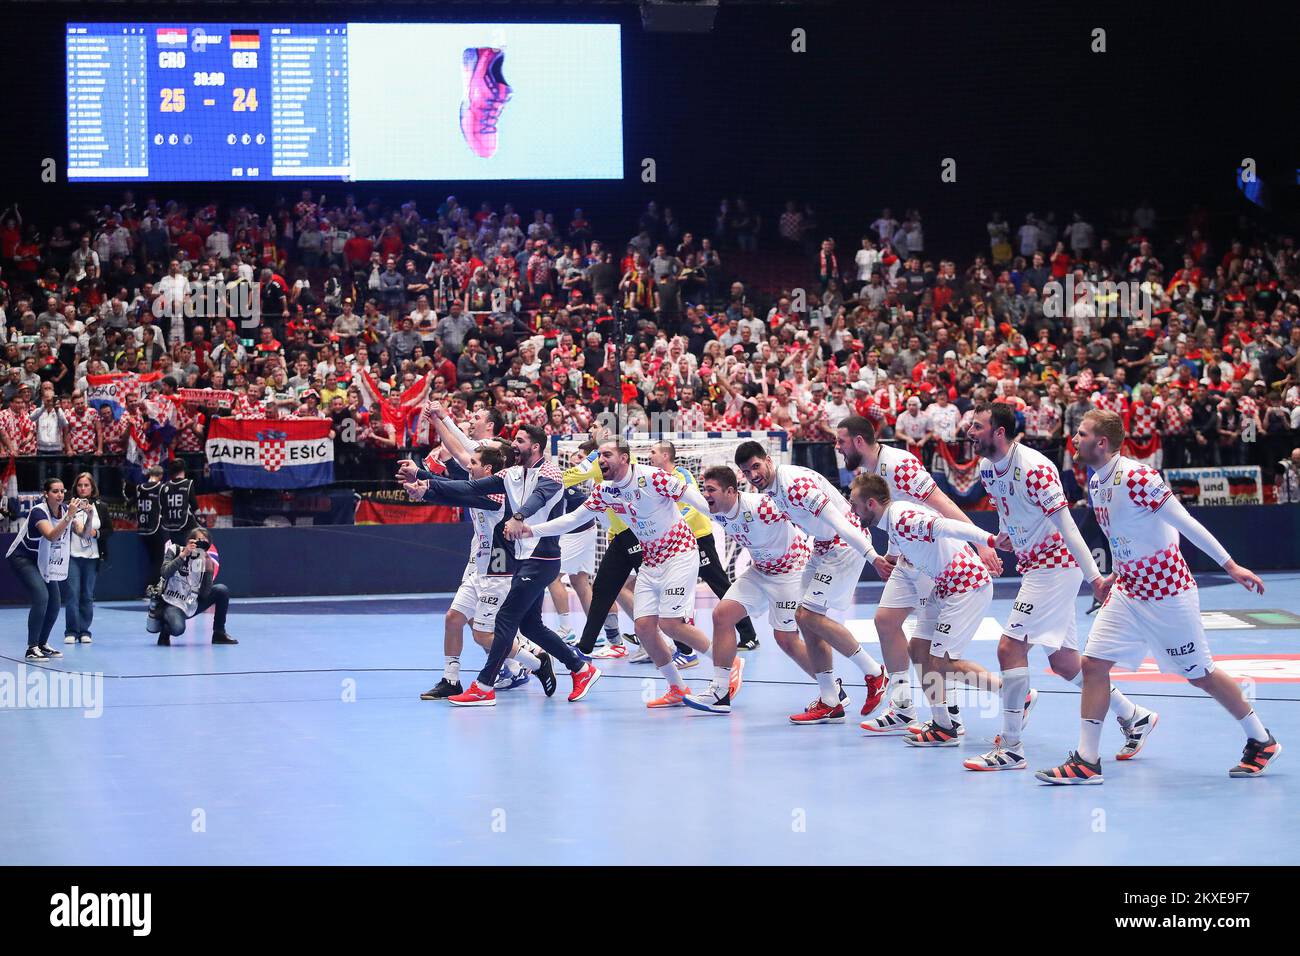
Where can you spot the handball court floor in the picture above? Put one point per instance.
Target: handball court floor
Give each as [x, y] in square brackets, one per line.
[308, 744]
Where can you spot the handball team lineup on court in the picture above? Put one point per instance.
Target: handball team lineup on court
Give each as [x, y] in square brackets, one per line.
[808, 546]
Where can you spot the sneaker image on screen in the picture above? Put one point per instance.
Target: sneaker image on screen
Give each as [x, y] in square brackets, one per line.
[486, 94]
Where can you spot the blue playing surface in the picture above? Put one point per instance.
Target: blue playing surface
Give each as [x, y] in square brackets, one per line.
[308, 744]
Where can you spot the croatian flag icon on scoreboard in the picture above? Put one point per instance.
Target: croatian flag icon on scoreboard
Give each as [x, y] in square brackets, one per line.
[173, 36]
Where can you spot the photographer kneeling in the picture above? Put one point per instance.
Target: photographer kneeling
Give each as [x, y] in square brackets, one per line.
[187, 589]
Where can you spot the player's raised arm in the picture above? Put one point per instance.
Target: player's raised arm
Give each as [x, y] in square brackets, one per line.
[856, 539]
[1180, 518]
[1063, 521]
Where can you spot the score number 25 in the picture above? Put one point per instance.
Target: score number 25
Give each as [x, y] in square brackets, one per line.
[173, 100]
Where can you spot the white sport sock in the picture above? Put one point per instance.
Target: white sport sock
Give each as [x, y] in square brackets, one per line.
[866, 663]
[1121, 706]
[1090, 740]
[564, 623]
[451, 670]
[527, 658]
[1015, 685]
[671, 675]
[900, 690]
[941, 716]
[721, 679]
[1254, 727]
[830, 694]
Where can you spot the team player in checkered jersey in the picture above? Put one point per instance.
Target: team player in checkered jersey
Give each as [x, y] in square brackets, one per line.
[648, 499]
[840, 550]
[954, 583]
[1154, 606]
[906, 589]
[1053, 560]
[773, 581]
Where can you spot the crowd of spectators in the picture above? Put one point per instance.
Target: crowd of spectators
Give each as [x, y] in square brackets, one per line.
[1192, 339]
[365, 312]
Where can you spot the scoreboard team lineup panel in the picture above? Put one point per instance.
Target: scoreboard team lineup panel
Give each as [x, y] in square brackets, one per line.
[210, 102]
[239, 101]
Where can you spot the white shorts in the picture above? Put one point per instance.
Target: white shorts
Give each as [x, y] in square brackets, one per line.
[950, 623]
[779, 593]
[830, 579]
[480, 597]
[1127, 630]
[578, 552]
[668, 590]
[906, 586]
[1043, 612]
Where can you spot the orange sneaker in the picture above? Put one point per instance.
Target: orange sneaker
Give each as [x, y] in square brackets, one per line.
[674, 698]
[733, 686]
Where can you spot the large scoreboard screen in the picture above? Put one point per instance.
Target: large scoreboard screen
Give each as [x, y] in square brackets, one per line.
[343, 101]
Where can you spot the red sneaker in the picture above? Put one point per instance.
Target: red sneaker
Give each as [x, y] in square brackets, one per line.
[820, 713]
[476, 696]
[582, 681]
[875, 691]
[486, 93]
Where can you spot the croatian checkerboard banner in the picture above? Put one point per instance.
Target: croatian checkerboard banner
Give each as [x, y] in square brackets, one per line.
[270, 453]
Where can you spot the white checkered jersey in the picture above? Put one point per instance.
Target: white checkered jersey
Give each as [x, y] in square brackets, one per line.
[646, 499]
[1026, 492]
[950, 562]
[903, 472]
[1127, 497]
[802, 495]
[775, 545]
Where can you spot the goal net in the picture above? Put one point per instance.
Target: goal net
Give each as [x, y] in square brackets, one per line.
[696, 452]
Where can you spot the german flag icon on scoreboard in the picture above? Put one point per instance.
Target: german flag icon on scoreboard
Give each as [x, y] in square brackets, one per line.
[245, 40]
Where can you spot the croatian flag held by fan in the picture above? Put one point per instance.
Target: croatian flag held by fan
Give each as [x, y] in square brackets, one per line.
[270, 453]
[149, 438]
[117, 389]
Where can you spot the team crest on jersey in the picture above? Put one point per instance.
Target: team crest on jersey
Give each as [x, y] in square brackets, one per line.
[1017, 474]
[749, 516]
[1118, 477]
[641, 482]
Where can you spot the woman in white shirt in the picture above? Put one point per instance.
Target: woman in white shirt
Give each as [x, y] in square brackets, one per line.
[87, 549]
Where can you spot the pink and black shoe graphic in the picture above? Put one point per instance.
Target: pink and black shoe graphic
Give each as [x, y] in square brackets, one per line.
[486, 94]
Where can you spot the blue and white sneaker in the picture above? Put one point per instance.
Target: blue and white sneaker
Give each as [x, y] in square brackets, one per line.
[507, 682]
[685, 661]
[571, 639]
